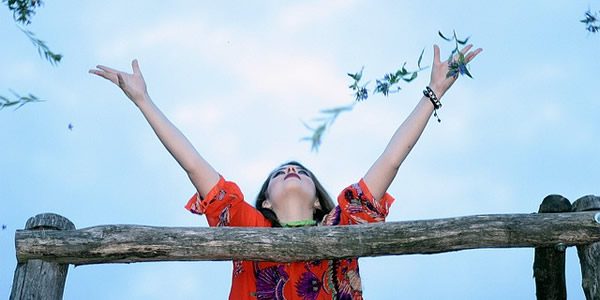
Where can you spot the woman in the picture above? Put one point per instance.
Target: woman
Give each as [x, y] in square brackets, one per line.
[291, 195]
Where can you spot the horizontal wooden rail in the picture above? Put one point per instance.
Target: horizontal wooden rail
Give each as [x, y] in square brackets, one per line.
[134, 243]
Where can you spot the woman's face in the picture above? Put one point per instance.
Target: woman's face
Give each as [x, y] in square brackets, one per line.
[291, 182]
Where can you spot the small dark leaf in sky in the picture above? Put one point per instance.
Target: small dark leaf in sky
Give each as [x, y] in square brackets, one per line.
[445, 38]
[3, 226]
[462, 42]
[420, 58]
[70, 126]
[591, 21]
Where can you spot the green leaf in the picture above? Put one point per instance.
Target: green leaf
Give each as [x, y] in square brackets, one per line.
[50, 56]
[445, 38]
[463, 41]
[307, 126]
[468, 73]
[20, 100]
[412, 77]
[420, 58]
[337, 110]
[357, 76]
[461, 58]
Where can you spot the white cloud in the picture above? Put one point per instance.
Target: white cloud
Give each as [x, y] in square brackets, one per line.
[203, 114]
[260, 65]
[300, 15]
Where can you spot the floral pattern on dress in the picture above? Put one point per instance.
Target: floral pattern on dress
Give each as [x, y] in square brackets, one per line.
[341, 280]
[270, 282]
[224, 216]
[309, 285]
[238, 268]
[194, 206]
[361, 207]
[333, 218]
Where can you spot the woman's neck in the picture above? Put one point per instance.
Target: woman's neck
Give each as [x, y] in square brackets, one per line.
[292, 211]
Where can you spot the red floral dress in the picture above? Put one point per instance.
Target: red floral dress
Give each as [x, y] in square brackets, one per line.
[338, 279]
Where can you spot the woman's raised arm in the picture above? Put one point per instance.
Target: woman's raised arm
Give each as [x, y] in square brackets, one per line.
[381, 174]
[200, 172]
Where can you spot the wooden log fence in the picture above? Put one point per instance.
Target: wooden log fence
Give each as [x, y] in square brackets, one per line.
[549, 262]
[550, 232]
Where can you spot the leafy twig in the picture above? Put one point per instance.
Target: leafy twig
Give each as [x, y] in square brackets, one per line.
[50, 56]
[592, 24]
[23, 10]
[456, 61]
[325, 121]
[388, 84]
[360, 92]
[19, 101]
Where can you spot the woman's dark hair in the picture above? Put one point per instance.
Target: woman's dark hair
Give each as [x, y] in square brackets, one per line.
[324, 198]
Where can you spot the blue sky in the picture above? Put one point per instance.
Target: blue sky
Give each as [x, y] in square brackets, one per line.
[238, 78]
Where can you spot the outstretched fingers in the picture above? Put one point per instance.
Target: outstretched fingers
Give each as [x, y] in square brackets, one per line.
[111, 76]
[135, 66]
[436, 55]
[107, 69]
[466, 48]
[101, 73]
[463, 51]
[469, 57]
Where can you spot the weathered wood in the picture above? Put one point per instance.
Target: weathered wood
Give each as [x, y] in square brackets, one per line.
[132, 243]
[589, 254]
[549, 262]
[37, 279]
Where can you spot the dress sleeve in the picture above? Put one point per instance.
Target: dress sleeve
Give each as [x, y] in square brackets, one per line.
[224, 205]
[356, 205]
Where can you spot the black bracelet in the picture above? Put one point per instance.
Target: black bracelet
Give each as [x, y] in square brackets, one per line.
[428, 92]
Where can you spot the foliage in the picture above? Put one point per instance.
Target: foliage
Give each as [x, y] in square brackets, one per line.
[592, 24]
[386, 85]
[325, 121]
[457, 63]
[19, 100]
[43, 50]
[23, 11]
[389, 83]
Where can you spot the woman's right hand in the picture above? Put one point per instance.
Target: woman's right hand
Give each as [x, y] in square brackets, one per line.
[440, 82]
[133, 85]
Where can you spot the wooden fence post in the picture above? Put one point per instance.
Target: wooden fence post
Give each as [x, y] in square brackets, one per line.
[37, 279]
[549, 262]
[589, 255]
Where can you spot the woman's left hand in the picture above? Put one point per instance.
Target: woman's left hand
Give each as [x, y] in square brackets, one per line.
[440, 82]
[133, 85]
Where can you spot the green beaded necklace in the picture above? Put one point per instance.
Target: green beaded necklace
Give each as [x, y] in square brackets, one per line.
[300, 223]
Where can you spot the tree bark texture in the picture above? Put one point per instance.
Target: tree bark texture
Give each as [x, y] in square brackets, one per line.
[134, 243]
[589, 254]
[549, 262]
[37, 279]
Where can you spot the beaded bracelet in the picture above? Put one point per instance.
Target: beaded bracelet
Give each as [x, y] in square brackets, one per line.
[428, 92]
